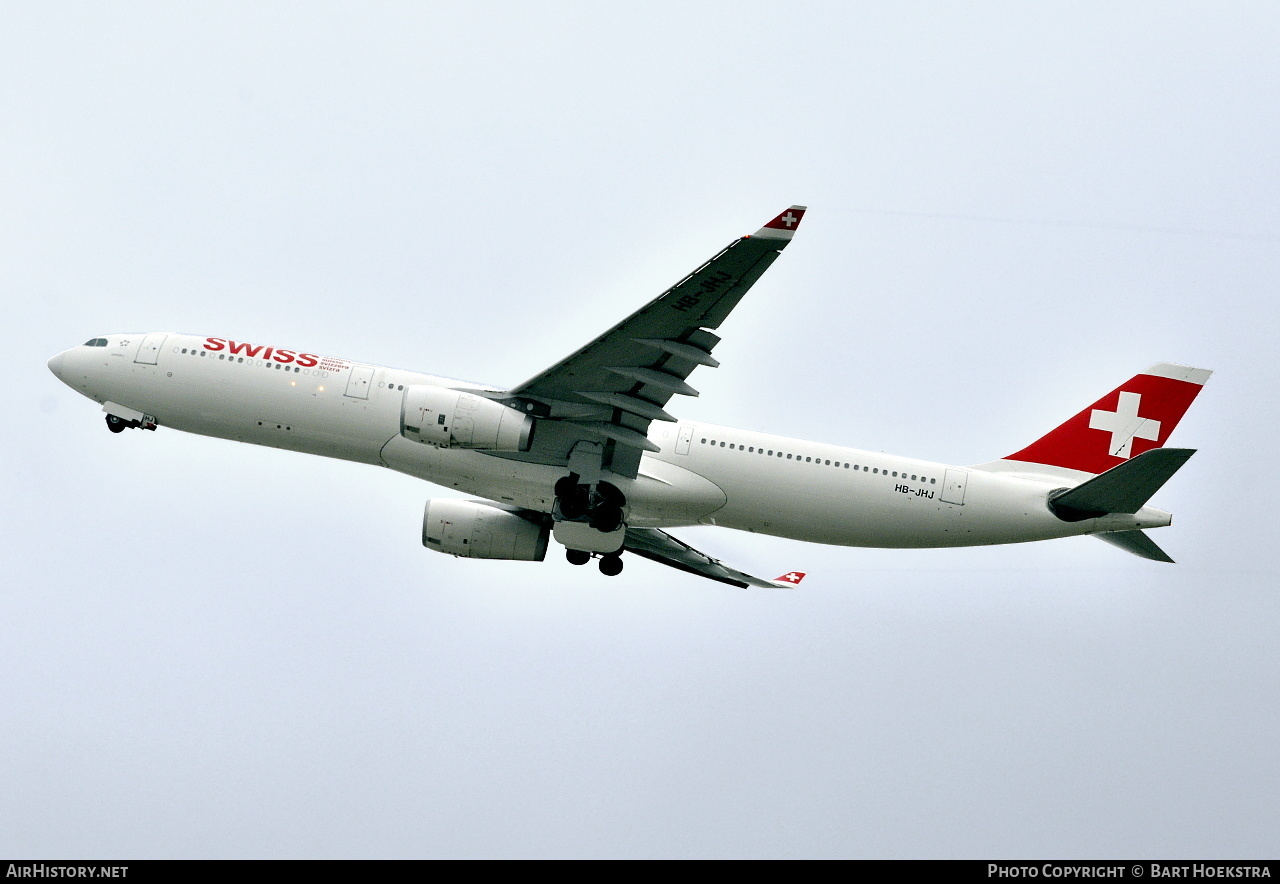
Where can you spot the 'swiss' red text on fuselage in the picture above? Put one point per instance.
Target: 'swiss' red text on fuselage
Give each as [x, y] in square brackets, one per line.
[236, 348]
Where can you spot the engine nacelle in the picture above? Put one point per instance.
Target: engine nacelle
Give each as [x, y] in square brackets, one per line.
[454, 419]
[475, 529]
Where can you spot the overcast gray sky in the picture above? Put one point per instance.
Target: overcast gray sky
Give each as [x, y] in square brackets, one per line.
[214, 650]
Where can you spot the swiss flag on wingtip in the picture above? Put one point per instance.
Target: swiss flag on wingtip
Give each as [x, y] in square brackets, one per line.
[788, 220]
[792, 577]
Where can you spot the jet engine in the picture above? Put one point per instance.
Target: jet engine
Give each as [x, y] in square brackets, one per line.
[454, 419]
[476, 529]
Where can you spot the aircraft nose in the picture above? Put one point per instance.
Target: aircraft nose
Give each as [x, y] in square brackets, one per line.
[55, 365]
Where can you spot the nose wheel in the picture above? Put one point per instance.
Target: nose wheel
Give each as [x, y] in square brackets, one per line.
[117, 424]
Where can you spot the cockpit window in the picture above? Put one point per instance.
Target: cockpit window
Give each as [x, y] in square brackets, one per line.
[95, 342]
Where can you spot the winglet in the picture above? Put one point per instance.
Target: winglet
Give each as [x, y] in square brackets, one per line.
[791, 578]
[784, 226]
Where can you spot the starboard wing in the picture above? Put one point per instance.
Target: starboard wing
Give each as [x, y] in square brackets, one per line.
[610, 390]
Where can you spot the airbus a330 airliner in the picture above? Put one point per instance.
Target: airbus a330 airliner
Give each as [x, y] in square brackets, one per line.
[587, 453]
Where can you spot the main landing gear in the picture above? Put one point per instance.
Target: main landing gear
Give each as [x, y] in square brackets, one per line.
[610, 564]
[589, 520]
[598, 505]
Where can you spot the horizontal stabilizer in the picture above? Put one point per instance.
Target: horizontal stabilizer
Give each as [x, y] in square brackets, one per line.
[1122, 489]
[1137, 543]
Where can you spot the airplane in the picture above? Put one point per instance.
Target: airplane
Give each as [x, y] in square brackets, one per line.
[587, 454]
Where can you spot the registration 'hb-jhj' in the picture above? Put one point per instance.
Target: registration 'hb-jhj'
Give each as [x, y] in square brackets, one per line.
[593, 453]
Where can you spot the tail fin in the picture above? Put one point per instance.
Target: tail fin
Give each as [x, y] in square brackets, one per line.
[1134, 418]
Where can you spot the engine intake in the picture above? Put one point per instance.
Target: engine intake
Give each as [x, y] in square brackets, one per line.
[454, 419]
[474, 529]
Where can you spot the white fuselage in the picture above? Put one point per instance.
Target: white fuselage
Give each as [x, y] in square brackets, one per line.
[702, 474]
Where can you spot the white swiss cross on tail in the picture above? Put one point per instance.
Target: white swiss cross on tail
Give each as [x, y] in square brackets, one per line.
[792, 577]
[1124, 425]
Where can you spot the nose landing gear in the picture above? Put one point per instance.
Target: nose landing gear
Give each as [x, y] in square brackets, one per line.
[118, 424]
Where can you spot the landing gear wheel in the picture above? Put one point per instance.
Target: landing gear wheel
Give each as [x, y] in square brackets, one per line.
[611, 565]
[577, 556]
[606, 518]
[566, 485]
[115, 424]
[572, 507]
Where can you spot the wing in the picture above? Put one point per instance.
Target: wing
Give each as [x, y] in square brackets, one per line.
[613, 388]
[662, 547]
